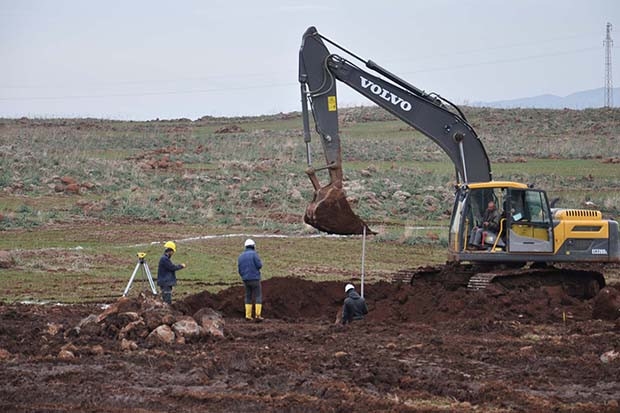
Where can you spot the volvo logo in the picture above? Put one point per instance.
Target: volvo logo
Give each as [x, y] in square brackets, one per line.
[385, 94]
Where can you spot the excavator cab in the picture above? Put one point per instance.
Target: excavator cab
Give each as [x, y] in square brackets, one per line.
[525, 219]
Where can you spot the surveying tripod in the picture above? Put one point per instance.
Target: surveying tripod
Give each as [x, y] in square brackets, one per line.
[145, 272]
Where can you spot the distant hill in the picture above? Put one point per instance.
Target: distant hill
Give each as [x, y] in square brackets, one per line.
[579, 100]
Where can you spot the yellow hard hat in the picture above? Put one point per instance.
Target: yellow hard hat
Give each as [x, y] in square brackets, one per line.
[171, 245]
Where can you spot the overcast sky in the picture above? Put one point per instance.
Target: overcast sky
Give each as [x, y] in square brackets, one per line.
[170, 59]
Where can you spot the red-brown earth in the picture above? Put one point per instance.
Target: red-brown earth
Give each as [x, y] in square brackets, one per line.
[421, 348]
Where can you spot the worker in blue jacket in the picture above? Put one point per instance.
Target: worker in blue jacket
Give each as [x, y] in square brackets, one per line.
[166, 272]
[249, 265]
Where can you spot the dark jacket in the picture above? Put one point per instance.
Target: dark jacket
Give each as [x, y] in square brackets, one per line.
[492, 217]
[166, 272]
[249, 265]
[354, 307]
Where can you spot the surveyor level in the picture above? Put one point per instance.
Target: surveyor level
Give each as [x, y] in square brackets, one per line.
[146, 273]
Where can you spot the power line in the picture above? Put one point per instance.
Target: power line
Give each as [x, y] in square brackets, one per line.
[175, 92]
[147, 81]
[285, 84]
[250, 75]
[504, 46]
[501, 61]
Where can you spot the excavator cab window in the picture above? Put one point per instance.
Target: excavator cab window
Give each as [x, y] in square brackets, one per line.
[536, 210]
[529, 206]
[478, 202]
[530, 228]
[472, 208]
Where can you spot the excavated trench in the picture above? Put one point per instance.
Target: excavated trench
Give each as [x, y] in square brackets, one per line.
[291, 299]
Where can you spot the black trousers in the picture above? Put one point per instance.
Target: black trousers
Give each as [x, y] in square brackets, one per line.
[252, 288]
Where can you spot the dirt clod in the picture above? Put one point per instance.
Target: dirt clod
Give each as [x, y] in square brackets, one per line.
[607, 304]
[4, 354]
[6, 259]
[66, 355]
[162, 334]
[230, 129]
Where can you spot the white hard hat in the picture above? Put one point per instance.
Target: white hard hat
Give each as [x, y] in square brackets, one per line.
[349, 287]
[249, 243]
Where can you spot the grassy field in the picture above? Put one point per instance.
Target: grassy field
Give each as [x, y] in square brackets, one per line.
[93, 261]
[80, 197]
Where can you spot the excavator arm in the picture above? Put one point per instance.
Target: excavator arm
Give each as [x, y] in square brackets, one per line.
[428, 113]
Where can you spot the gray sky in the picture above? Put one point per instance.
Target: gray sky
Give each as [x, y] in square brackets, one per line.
[188, 58]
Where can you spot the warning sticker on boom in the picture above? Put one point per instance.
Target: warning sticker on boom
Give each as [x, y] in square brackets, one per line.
[331, 104]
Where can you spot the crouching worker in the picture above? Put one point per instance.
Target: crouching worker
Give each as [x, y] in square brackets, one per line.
[166, 272]
[249, 265]
[354, 307]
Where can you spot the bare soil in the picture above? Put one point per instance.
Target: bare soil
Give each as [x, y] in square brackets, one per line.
[421, 348]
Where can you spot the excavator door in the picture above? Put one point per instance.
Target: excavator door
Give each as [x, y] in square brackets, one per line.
[529, 221]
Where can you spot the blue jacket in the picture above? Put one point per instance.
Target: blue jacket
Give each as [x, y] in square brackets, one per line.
[166, 272]
[249, 265]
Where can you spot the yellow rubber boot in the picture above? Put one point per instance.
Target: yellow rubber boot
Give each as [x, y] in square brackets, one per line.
[248, 311]
[259, 310]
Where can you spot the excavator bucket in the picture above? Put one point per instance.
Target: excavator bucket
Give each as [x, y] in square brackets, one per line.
[330, 212]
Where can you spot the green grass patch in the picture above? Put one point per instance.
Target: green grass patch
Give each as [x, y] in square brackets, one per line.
[94, 264]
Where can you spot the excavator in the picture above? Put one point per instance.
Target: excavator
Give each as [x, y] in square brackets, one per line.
[534, 245]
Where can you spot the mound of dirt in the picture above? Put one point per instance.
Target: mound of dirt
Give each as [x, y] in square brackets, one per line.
[158, 158]
[230, 129]
[146, 321]
[424, 302]
[283, 298]
[607, 304]
[292, 298]
[6, 259]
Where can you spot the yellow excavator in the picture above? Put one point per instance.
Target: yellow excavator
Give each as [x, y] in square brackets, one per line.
[533, 243]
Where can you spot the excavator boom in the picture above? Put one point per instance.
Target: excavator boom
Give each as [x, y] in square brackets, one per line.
[428, 113]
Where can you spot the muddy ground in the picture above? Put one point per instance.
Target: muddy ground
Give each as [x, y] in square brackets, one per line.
[421, 348]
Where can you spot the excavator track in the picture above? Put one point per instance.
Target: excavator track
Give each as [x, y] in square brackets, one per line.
[576, 282]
